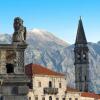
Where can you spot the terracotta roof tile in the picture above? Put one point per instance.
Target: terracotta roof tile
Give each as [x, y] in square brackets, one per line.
[32, 69]
[90, 95]
[69, 89]
[83, 94]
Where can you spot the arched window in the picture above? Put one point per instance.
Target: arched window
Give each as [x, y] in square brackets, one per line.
[10, 68]
[50, 98]
[50, 84]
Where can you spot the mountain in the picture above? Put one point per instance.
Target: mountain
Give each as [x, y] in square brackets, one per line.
[5, 39]
[46, 49]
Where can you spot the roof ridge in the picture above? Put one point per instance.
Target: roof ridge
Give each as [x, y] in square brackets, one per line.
[47, 68]
[40, 69]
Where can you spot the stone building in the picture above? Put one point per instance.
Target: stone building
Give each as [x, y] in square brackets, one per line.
[45, 83]
[13, 80]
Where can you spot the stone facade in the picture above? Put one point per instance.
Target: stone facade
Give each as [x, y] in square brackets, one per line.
[73, 96]
[44, 90]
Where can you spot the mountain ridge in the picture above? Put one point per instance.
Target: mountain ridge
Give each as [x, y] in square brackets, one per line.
[47, 51]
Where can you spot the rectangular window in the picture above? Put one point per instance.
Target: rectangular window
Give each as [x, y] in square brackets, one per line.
[39, 84]
[57, 98]
[1, 98]
[63, 98]
[70, 98]
[29, 98]
[60, 85]
[50, 84]
[30, 85]
[36, 98]
[43, 98]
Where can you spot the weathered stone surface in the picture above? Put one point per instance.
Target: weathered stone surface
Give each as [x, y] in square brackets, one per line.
[5, 97]
[13, 81]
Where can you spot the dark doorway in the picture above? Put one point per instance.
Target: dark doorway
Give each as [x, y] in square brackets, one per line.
[10, 68]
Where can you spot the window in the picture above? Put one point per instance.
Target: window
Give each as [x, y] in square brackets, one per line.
[70, 98]
[50, 84]
[80, 87]
[50, 98]
[10, 68]
[29, 98]
[57, 98]
[76, 98]
[15, 90]
[63, 98]
[59, 85]
[39, 84]
[30, 85]
[85, 78]
[36, 98]
[43, 98]
[1, 98]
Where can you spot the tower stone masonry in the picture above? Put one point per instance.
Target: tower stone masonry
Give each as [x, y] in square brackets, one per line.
[13, 81]
[81, 60]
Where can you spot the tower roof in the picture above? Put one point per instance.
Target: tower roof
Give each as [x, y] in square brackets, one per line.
[80, 38]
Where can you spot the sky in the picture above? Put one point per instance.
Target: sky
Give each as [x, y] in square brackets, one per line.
[57, 16]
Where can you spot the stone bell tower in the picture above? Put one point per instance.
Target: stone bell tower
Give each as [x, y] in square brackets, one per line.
[81, 59]
[13, 81]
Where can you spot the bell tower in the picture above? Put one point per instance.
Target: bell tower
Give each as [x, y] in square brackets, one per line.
[81, 59]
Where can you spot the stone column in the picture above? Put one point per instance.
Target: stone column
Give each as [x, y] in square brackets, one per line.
[19, 69]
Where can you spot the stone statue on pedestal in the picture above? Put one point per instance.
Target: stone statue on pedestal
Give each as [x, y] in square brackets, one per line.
[19, 31]
[13, 80]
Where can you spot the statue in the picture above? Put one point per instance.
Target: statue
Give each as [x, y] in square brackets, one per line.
[19, 31]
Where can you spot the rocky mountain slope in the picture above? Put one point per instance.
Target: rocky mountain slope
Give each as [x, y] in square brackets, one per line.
[46, 49]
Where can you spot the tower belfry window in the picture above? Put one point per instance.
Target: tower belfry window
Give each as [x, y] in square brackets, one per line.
[85, 78]
[10, 68]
